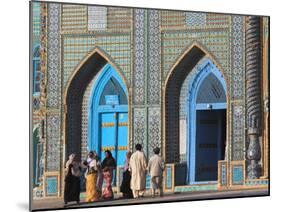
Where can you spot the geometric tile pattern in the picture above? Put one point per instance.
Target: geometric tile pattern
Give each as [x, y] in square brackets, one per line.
[154, 57]
[53, 142]
[257, 182]
[147, 181]
[76, 47]
[237, 175]
[217, 20]
[74, 50]
[238, 132]
[74, 17]
[173, 44]
[84, 127]
[185, 90]
[119, 49]
[54, 73]
[195, 19]
[119, 19]
[169, 178]
[139, 56]
[192, 188]
[172, 19]
[51, 185]
[237, 56]
[154, 130]
[215, 41]
[139, 125]
[97, 18]
[223, 174]
[36, 21]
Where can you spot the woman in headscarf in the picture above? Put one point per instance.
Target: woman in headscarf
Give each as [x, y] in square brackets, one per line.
[91, 176]
[108, 165]
[72, 180]
[125, 186]
[99, 180]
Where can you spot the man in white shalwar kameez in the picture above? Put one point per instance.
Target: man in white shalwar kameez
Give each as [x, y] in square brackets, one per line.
[137, 168]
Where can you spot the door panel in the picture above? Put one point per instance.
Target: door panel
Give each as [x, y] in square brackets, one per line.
[207, 144]
[108, 133]
[122, 137]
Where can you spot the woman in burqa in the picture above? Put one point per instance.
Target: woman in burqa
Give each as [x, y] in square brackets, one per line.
[108, 165]
[72, 180]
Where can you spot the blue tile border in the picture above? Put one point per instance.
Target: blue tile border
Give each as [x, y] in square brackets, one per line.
[51, 186]
[237, 175]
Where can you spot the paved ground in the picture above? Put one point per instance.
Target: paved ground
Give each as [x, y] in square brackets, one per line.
[58, 203]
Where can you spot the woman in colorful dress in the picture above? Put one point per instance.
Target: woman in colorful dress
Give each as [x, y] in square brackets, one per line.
[72, 180]
[91, 177]
[99, 180]
[125, 186]
[108, 165]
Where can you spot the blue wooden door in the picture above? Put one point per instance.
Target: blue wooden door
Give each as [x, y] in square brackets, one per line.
[208, 142]
[114, 134]
[108, 133]
[122, 133]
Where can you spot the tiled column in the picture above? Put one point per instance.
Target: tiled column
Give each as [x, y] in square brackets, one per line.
[253, 93]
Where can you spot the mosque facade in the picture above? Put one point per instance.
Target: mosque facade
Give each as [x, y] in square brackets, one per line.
[193, 84]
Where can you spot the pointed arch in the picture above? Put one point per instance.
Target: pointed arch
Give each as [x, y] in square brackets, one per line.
[207, 91]
[172, 86]
[107, 77]
[83, 74]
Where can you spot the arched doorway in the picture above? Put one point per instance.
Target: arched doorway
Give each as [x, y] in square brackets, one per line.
[172, 128]
[85, 72]
[108, 115]
[206, 118]
[173, 86]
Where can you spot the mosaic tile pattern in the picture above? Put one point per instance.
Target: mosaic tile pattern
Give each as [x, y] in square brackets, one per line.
[74, 17]
[139, 125]
[119, 19]
[139, 56]
[154, 130]
[237, 175]
[36, 22]
[257, 182]
[173, 45]
[217, 20]
[97, 18]
[172, 19]
[238, 132]
[215, 41]
[147, 182]
[237, 51]
[195, 19]
[185, 89]
[119, 49]
[85, 109]
[154, 57]
[51, 186]
[196, 188]
[168, 177]
[53, 142]
[76, 47]
[54, 73]
[223, 174]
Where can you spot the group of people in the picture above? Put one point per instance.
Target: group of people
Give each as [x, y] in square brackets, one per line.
[99, 176]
